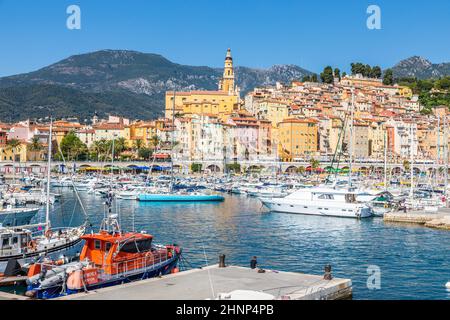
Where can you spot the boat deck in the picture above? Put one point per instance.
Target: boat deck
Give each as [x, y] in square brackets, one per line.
[197, 284]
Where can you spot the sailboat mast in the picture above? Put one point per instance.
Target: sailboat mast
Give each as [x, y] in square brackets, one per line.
[446, 154]
[411, 191]
[438, 149]
[385, 159]
[49, 162]
[351, 140]
[173, 137]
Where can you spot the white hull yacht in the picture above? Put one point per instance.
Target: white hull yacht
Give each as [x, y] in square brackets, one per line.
[320, 201]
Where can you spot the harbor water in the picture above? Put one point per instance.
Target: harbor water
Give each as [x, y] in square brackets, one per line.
[414, 261]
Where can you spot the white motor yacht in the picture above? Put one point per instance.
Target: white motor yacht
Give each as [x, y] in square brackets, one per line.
[322, 201]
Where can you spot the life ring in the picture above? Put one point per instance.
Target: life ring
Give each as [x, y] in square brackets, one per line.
[48, 233]
[32, 245]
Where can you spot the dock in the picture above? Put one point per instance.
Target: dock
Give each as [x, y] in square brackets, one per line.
[437, 220]
[10, 296]
[209, 282]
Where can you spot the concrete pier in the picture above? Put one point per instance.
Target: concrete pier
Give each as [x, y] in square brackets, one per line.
[207, 283]
[437, 220]
[10, 296]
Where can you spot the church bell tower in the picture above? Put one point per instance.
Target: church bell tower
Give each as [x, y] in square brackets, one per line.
[227, 82]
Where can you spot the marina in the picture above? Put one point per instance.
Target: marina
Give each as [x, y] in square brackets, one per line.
[196, 153]
[412, 265]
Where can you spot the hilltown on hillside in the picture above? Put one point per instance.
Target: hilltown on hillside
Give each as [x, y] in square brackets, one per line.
[299, 121]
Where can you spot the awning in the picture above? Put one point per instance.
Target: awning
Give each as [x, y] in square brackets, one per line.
[162, 156]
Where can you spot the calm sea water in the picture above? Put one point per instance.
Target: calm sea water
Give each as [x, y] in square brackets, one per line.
[414, 261]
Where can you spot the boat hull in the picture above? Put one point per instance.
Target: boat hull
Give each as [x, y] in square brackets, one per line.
[178, 197]
[317, 209]
[69, 249]
[17, 217]
[150, 272]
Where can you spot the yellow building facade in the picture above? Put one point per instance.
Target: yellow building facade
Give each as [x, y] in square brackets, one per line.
[297, 138]
[223, 101]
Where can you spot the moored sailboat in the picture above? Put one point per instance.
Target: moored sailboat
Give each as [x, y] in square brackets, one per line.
[108, 258]
[20, 244]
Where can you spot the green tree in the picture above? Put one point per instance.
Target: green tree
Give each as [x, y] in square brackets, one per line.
[376, 72]
[155, 141]
[72, 147]
[306, 79]
[100, 149]
[314, 78]
[327, 75]
[406, 166]
[367, 71]
[119, 146]
[337, 73]
[234, 167]
[388, 79]
[14, 146]
[358, 68]
[196, 167]
[145, 153]
[315, 164]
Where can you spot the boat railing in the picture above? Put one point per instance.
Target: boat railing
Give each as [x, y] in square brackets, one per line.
[134, 266]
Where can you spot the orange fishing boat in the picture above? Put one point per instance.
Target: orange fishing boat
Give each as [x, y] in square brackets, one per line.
[108, 258]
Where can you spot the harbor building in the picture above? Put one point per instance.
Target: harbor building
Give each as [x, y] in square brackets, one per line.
[221, 102]
[298, 138]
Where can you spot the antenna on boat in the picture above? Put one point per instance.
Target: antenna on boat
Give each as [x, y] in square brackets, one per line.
[351, 139]
[173, 136]
[49, 162]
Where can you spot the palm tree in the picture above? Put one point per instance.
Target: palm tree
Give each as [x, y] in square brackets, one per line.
[301, 170]
[154, 141]
[13, 145]
[314, 166]
[119, 146]
[35, 146]
[138, 144]
[406, 165]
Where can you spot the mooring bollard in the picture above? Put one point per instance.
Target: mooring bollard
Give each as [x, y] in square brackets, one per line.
[222, 261]
[327, 275]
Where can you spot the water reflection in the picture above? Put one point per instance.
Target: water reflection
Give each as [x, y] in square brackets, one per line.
[414, 261]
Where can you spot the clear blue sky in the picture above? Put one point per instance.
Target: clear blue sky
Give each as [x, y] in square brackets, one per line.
[261, 33]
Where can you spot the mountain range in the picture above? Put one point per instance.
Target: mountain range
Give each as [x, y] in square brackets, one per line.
[420, 68]
[133, 84]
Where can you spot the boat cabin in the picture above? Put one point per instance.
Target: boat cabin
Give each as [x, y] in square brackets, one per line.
[116, 252]
[13, 242]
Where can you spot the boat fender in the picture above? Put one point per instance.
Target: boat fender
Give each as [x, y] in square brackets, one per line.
[32, 245]
[48, 233]
[175, 270]
[34, 270]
